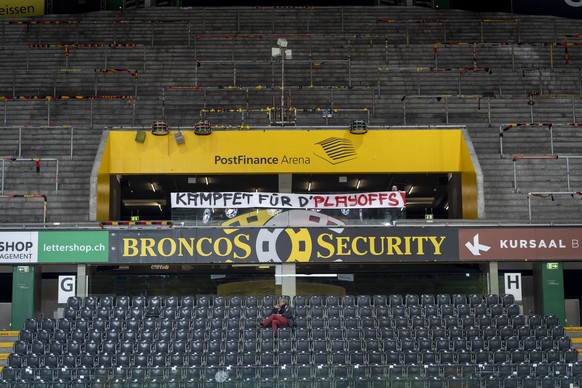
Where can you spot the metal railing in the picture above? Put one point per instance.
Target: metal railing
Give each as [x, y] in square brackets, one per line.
[505, 127]
[36, 160]
[44, 198]
[545, 157]
[20, 129]
[548, 194]
[527, 157]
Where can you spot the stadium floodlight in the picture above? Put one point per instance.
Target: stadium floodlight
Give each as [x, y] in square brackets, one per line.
[202, 128]
[276, 52]
[358, 127]
[160, 128]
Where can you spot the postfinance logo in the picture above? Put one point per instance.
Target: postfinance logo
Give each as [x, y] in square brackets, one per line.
[336, 150]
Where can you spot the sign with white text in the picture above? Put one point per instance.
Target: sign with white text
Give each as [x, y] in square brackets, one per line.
[520, 244]
[385, 199]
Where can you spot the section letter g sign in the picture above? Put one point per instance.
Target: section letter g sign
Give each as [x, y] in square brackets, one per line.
[68, 283]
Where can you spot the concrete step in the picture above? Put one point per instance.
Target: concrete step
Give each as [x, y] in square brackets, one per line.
[7, 339]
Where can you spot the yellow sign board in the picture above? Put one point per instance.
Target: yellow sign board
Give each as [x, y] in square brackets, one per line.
[15, 9]
[295, 151]
[290, 151]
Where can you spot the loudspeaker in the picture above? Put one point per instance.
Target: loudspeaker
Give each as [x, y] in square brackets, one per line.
[140, 136]
[179, 136]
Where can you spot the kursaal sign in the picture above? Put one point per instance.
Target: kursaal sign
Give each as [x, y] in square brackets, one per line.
[384, 199]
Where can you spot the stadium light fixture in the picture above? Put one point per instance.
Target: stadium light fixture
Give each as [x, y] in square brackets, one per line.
[358, 127]
[160, 128]
[202, 128]
[276, 52]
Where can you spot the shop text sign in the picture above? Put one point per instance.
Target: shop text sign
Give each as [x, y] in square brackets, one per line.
[385, 199]
[18, 247]
[54, 247]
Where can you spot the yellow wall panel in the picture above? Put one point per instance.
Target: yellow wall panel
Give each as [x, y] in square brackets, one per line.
[103, 185]
[15, 9]
[289, 151]
[293, 151]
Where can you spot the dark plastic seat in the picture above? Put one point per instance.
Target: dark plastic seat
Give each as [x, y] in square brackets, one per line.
[51, 360]
[337, 345]
[458, 299]
[38, 347]
[492, 299]
[471, 331]
[382, 311]
[430, 310]
[482, 356]
[33, 360]
[69, 313]
[87, 359]
[122, 360]
[20, 347]
[105, 359]
[447, 309]
[74, 302]
[569, 355]
[395, 300]
[91, 302]
[428, 357]
[507, 299]
[474, 299]
[443, 299]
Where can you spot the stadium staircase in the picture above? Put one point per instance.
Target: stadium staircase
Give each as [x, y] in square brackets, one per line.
[6, 345]
[387, 65]
[575, 333]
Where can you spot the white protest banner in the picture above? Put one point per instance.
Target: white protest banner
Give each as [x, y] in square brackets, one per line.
[383, 199]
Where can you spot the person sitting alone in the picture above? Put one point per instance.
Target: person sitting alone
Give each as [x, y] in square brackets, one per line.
[281, 316]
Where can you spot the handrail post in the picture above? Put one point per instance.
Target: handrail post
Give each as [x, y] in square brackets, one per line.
[189, 33]
[459, 90]
[45, 209]
[529, 206]
[3, 162]
[568, 173]
[350, 71]
[57, 178]
[489, 111]
[501, 141]
[48, 112]
[72, 135]
[514, 176]
[19, 142]
[551, 140]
